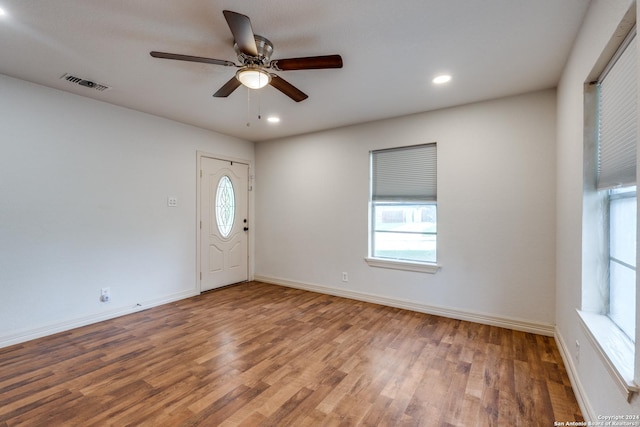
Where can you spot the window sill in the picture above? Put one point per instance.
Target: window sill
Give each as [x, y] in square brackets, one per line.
[403, 265]
[615, 349]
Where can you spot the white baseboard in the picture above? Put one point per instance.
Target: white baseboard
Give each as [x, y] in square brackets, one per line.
[581, 396]
[486, 319]
[31, 334]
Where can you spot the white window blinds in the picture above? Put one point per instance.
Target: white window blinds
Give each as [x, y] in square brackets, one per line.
[406, 173]
[617, 121]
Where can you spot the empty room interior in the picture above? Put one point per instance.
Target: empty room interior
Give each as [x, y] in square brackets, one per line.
[219, 212]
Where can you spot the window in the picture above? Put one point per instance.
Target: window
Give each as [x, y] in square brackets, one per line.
[403, 209]
[622, 259]
[616, 175]
[225, 206]
[609, 307]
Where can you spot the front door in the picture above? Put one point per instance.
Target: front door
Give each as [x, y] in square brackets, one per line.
[224, 227]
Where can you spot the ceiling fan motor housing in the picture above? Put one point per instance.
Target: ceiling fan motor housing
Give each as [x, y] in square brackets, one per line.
[264, 47]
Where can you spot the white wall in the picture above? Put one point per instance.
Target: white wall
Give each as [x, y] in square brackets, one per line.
[496, 210]
[593, 384]
[83, 205]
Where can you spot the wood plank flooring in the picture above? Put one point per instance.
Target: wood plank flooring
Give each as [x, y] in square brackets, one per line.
[257, 354]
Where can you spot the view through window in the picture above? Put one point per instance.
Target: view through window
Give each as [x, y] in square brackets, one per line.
[622, 259]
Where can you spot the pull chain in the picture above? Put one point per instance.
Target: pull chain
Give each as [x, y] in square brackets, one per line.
[259, 104]
[248, 107]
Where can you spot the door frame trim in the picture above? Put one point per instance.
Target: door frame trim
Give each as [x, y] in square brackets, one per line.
[199, 156]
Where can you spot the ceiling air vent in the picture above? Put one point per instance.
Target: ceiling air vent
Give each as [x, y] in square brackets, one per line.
[85, 83]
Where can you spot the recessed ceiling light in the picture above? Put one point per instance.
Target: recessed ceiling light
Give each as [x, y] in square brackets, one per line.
[443, 78]
[273, 119]
[2, 12]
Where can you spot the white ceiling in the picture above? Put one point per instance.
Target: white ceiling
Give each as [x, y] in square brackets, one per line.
[391, 51]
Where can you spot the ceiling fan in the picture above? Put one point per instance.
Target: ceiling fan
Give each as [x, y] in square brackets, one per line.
[254, 54]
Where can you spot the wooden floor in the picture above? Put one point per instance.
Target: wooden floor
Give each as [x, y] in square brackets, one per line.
[258, 354]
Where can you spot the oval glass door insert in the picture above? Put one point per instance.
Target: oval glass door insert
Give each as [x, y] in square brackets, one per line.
[225, 206]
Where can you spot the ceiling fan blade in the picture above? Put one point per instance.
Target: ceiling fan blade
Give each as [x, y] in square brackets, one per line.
[190, 58]
[287, 88]
[228, 88]
[308, 63]
[240, 26]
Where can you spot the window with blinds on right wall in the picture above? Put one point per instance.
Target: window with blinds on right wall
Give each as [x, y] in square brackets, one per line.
[616, 175]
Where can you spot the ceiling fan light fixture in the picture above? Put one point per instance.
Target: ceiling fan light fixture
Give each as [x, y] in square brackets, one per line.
[253, 77]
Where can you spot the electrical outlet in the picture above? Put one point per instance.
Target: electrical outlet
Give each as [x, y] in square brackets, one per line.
[105, 294]
[172, 202]
[345, 276]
